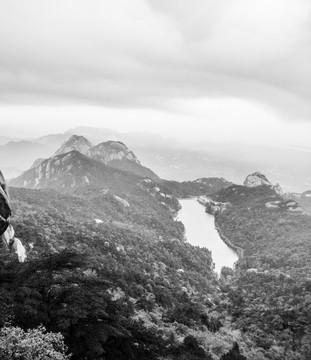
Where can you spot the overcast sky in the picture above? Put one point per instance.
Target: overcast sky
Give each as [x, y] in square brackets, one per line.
[201, 69]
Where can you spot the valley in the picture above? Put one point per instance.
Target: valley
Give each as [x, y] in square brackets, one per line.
[174, 160]
[200, 231]
[155, 180]
[110, 268]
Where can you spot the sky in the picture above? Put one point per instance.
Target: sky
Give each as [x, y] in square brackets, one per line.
[197, 70]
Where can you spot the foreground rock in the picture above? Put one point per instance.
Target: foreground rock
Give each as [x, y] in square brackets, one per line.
[7, 234]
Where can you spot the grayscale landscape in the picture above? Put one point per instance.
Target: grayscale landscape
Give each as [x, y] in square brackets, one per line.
[155, 180]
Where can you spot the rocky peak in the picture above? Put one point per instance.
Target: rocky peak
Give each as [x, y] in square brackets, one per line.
[257, 179]
[75, 142]
[108, 151]
[50, 170]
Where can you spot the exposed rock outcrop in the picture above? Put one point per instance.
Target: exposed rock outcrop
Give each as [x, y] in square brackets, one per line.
[116, 154]
[69, 170]
[78, 163]
[111, 150]
[5, 207]
[303, 199]
[288, 205]
[258, 179]
[211, 206]
[121, 201]
[75, 142]
[156, 190]
[7, 234]
[37, 163]
[18, 248]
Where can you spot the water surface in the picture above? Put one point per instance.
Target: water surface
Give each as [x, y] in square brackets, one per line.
[200, 231]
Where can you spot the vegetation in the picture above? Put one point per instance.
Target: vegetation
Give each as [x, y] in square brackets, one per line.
[273, 238]
[33, 344]
[197, 187]
[268, 297]
[115, 290]
[130, 287]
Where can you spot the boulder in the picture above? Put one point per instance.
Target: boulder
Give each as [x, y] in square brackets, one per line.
[256, 179]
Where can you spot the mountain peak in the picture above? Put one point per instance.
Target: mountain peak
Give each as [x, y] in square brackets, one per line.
[117, 155]
[108, 151]
[256, 179]
[75, 142]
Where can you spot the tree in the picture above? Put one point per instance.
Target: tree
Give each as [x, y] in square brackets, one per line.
[233, 354]
[189, 350]
[33, 344]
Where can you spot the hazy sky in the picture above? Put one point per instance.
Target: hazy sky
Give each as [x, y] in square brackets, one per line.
[201, 69]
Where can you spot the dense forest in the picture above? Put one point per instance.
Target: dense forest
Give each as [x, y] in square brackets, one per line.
[269, 295]
[116, 279]
[127, 287]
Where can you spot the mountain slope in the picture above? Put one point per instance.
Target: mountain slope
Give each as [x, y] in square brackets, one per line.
[269, 295]
[202, 186]
[72, 171]
[140, 284]
[69, 169]
[117, 155]
[304, 199]
[274, 232]
[75, 142]
[129, 289]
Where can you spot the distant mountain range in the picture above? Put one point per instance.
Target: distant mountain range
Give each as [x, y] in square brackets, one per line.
[125, 226]
[5, 139]
[78, 164]
[171, 159]
[100, 202]
[19, 155]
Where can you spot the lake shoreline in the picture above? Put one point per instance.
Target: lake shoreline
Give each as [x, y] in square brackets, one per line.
[201, 229]
[237, 249]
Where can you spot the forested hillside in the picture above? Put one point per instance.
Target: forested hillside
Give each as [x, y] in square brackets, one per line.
[269, 295]
[196, 187]
[274, 233]
[127, 286]
[109, 268]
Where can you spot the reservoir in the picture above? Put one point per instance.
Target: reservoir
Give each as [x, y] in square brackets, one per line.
[200, 231]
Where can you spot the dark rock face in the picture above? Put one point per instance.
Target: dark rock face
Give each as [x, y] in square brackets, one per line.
[5, 208]
[8, 240]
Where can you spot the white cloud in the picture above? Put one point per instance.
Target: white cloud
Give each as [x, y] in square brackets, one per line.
[154, 54]
[198, 120]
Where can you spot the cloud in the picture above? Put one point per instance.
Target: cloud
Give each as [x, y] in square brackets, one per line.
[148, 53]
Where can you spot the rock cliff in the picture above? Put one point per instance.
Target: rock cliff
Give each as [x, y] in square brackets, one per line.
[111, 150]
[75, 142]
[77, 163]
[7, 235]
[258, 179]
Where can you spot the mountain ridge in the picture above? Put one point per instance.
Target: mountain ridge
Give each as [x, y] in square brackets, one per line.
[75, 142]
[94, 161]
